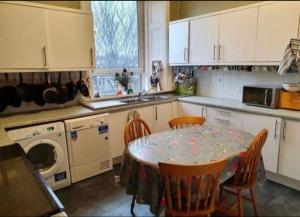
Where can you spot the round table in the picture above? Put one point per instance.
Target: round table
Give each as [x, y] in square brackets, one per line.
[193, 145]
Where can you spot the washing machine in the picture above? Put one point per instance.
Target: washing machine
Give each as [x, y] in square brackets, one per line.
[46, 148]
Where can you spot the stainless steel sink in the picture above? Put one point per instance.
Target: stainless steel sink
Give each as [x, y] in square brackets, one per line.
[144, 99]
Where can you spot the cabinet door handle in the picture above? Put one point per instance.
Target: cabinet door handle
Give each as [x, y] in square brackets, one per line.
[185, 54]
[219, 52]
[275, 130]
[214, 52]
[202, 111]
[156, 118]
[45, 56]
[92, 57]
[284, 130]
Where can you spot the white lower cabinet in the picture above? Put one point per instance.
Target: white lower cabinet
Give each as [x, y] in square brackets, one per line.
[162, 115]
[217, 116]
[290, 150]
[191, 109]
[253, 124]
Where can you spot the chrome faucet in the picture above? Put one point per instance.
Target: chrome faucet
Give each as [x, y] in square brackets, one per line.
[142, 94]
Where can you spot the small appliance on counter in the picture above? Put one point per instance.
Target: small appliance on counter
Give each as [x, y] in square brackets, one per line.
[262, 95]
[88, 146]
[185, 83]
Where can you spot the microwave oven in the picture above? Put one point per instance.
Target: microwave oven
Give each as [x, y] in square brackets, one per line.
[262, 95]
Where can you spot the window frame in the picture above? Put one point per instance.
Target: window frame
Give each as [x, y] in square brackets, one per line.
[141, 47]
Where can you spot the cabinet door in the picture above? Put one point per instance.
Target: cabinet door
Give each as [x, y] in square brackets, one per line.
[290, 150]
[191, 109]
[22, 37]
[117, 127]
[178, 42]
[70, 39]
[147, 114]
[277, 24]
[162, 115]
[253, 124]
[204, 40]
[216, 116]
[237, 35]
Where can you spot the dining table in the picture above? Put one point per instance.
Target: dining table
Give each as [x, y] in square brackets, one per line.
[190, 146]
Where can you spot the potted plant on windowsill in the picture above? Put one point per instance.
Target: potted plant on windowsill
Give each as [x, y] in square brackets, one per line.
[123, 79]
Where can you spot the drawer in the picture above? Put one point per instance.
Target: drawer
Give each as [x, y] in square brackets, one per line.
[217, 116]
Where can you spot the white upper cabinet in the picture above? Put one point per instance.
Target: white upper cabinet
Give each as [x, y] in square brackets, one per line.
[237, 35]
[70, 39]
[22, 37]
[204, 40]
[277, 24]
[178, 42]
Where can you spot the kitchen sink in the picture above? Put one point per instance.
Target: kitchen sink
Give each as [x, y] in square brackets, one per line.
[144, 99]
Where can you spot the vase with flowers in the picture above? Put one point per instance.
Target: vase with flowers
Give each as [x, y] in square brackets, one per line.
[123, 79]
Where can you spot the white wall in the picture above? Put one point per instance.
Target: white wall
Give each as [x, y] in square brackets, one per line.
[229, 84]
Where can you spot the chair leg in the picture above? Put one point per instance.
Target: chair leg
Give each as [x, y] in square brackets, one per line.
[132, 203]
[240, 203]
[253, 202]
[221, 194]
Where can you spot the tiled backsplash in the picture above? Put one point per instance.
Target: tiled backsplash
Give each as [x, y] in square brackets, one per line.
[229, 84]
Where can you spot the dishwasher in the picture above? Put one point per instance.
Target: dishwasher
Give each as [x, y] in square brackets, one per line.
[88, 146]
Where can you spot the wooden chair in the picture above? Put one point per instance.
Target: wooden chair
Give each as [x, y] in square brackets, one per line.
[186, 121]
[135, 129]
[245, 177]
[196, 187]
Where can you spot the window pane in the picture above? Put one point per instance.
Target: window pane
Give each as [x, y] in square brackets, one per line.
[116, 34]
[105, 85]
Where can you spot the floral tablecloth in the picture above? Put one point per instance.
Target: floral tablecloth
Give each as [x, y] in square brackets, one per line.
[194, 145]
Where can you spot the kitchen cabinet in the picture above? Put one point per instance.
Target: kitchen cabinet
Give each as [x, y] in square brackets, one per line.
[191, 109]
[277, 24]
[237, 35]
[204, 40]
[44, 39]
[290, 150]
[178, 42]
[162, 115]
[23, 37]
[70, 39]
[217, 116]
[117, 127]
[270, 152]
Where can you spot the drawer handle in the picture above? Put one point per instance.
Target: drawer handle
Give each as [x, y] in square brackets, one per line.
[222, 120]
[284, 130]
[222, 111]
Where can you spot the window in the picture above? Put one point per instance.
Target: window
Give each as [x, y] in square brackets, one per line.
[117, 43]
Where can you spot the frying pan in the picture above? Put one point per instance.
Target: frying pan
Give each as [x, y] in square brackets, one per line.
[38, 90]
[81, 86]
[72, 89]
[12, 97]
[23, 90]
[51, 93]
[3, 103]
[63, 93]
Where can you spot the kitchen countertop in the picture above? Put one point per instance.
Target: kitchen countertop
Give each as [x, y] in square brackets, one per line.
[60, 114]
[237, 105]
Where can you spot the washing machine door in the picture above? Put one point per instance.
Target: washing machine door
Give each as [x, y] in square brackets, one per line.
[46, 155]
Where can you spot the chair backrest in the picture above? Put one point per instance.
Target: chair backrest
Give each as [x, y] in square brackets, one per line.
[135, 129]
[247, 168]
[186, 121]
[191, 189]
